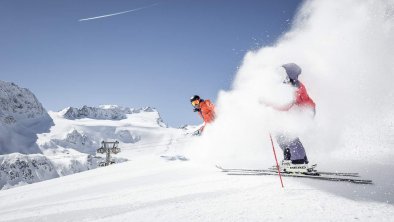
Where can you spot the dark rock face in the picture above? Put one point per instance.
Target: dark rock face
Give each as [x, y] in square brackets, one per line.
[95, 113]
[22, 117]
[17, 168]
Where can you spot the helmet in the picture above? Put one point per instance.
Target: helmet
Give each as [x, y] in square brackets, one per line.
[292, 70]
[195, 97]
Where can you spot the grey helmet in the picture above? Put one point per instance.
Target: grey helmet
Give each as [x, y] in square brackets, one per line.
[292, 70]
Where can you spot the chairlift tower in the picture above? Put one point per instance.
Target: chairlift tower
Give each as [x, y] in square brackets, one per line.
[108, 148]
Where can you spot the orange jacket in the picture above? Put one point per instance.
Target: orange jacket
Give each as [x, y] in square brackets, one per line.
[207, 111]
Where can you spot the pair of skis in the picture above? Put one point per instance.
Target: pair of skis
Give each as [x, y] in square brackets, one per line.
[314, 174]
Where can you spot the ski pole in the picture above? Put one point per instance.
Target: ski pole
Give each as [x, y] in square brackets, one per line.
[276, 159]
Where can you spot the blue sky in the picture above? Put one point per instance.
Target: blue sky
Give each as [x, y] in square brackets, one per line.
[158, 56]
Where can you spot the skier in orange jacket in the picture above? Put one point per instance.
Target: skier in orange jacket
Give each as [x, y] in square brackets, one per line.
[205, 109]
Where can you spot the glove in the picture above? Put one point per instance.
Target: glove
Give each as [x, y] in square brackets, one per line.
[196, 110]
[197, 132]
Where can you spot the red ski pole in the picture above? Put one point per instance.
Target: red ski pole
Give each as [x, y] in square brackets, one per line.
[277, 165]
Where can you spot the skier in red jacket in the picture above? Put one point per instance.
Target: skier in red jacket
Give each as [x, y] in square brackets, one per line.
[294, 152]
[205, 109]
[302, 99]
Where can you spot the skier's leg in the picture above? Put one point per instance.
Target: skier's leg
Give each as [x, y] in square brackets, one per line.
[284, 144]
[287, 154]
[298, 154]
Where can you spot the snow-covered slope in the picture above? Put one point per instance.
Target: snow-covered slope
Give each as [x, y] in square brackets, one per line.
[22, 117]
[153, 189]
[164, 181]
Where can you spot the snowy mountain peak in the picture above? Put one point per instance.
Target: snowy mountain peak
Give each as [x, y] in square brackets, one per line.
[103, 112]
[113, 113]
[18, 103]
[108, 106]
[146, 109]
[22, 117]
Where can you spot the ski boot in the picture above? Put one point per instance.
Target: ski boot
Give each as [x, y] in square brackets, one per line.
[288, 166]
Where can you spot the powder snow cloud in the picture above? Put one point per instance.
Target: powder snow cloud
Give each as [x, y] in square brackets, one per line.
[346, 52]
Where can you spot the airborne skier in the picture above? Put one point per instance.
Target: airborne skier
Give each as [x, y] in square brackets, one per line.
[205, 109]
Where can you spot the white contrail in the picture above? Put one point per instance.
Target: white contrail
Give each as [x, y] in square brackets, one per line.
[118, 13]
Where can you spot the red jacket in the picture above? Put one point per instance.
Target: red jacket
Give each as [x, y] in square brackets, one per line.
[302, 98]
[207, 111]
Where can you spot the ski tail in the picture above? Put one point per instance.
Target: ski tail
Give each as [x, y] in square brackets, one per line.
[329, 176]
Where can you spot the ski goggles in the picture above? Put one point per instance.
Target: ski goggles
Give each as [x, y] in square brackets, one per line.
[195, 102]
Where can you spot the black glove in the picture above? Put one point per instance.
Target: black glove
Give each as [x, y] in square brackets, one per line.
[196, 133]
[196, 110]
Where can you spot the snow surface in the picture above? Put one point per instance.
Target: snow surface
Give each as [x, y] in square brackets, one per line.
[163, 180]
[150, 188]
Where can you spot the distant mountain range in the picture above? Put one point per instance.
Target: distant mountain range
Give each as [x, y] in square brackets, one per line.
[37, 145]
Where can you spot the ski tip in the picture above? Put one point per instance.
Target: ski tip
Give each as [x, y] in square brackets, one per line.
[221, 168]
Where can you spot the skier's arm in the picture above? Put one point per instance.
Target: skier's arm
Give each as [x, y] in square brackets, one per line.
[276, 106]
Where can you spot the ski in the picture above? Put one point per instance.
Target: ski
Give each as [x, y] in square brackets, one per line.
[327, 173]
[330, 176]
[310, 176]
[274, 170]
